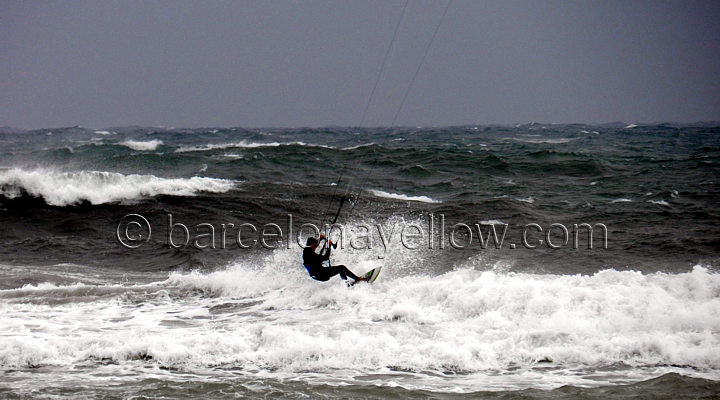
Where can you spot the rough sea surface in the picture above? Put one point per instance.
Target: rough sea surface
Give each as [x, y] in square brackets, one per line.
[637, 315]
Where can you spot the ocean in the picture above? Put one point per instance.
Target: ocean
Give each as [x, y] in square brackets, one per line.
[155, 262]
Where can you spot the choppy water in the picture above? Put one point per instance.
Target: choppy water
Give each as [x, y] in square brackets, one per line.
[99, 320]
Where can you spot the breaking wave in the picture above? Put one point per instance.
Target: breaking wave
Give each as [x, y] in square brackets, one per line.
[246, 144]
[150, 145]
[274, 318]
[400, 196]
[100, 187]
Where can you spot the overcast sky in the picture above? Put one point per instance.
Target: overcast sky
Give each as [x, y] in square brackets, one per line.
[314, 63]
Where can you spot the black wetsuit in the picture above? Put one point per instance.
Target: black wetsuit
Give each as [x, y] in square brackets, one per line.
[313, 264]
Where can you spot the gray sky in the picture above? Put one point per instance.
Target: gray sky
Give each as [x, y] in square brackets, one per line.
[314, 63]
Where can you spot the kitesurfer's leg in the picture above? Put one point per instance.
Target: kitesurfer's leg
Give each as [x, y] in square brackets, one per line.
[322, 274]
[325, 273]
[345, 272]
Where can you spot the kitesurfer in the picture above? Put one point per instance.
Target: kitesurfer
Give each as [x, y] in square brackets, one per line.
[313, 262]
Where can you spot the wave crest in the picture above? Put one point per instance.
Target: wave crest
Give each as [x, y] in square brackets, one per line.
[400, 196]
[246, 145]
[150, 145]
[100, 187]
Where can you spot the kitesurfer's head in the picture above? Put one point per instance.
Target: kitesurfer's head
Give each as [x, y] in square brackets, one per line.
[312, 242]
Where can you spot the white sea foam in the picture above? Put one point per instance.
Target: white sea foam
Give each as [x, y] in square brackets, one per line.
[659, 202]
[246, 144]
[150, 145]
[104, 133]
[271, 317]
[358, 146]
[528, 199]
[542, 140]
[99, 187]
[492, 222]
[630, 126]
[233, 156]
[621, 200]
[400, 196]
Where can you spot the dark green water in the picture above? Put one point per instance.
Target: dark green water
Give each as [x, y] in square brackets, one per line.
[83, 316]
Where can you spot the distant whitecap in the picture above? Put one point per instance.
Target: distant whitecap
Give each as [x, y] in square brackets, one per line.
[400, 196]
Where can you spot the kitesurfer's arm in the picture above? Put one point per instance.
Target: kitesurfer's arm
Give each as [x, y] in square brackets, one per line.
[326, 255]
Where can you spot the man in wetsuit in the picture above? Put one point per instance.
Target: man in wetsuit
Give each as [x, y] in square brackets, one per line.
[313, 263]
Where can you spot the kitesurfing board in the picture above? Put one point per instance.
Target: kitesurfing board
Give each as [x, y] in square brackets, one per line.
[371, 275]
